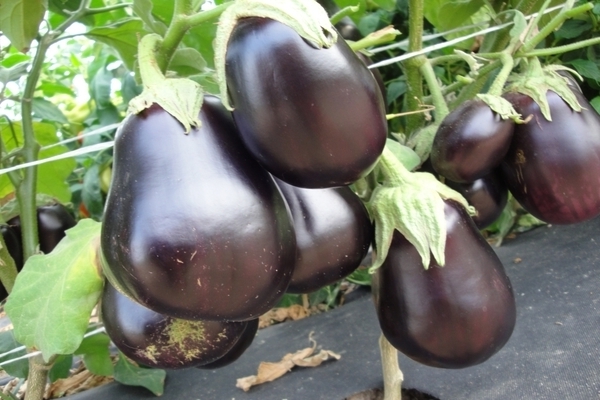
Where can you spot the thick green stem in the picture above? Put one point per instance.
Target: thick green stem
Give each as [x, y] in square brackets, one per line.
[392, 375]
[373, 40]
[414, 80]
[437, 96]
[37, 378]
[550, 51]
[507, 66]
[204, 16]
[394, 172]
[554, 24]
[150, 71]
[344, 12]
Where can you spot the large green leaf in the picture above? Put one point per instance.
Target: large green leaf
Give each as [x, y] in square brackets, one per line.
[20, 20]
[52, 176]
[128, 373]
[437, 12]
[122, 36]
[96, 354]
[55, 293]
[18, 369]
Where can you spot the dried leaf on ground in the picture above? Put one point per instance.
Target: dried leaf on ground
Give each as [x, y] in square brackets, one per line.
[268, 371]
[78, 382]
[293, 312]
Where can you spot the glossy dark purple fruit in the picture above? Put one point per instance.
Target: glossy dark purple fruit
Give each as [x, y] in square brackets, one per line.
[312, 117]
[160, 341]
[488, 195]
[553, 167]
[12, 240]
[454, 316]
[333, 235]
[470, 142]
[194, 227]
[238, 348]
[53, 220]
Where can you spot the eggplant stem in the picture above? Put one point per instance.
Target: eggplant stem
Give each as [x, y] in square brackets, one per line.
[392, 375]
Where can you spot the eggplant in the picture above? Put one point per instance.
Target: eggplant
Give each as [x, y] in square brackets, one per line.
[194, 227]
[312, 117]
[240, 346]
[454, 316]
[160, 341]
[53, 220]
[553, 167]
[488, 195]
[470, 142]
[333, 234]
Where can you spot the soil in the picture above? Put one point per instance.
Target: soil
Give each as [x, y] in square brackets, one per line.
[377, 394]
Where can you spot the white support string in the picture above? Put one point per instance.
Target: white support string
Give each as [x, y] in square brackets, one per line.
[443, 44]
[35, 353]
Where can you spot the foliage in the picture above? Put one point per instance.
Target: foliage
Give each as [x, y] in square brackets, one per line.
[69, 69]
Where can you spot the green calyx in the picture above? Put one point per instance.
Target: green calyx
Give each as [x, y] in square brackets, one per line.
[536, 80]
[413, 204]
[180, 97]
[307, 17]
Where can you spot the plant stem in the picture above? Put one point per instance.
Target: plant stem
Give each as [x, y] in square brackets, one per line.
[373, 40]
[36, 380]
[554, 24]
[183, 19]
[344, 12]
[437, 96]
[550, 51]
[393, 170]
[392, 375]
[414, 80]
[507, 66]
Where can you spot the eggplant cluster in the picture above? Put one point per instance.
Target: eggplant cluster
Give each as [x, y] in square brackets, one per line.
[52, 220]
[552, 168]
[203, 232]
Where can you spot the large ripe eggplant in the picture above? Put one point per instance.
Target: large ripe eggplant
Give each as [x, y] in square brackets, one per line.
[470, 142]
[194, 228]
[160, 341]
[333, 234]
[454, 316]
[553, 167]
[312, 117]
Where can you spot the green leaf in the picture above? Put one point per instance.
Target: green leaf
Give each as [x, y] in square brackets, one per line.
[100, 88]
[595, 102]
[14, 59]
[61, 368]
[50, 89]
[437, 12]
[96, 354]
[47, 111]
[54, 294]
[91, 194]
[143, 9]
[123, 37]
[130, 374]
[573, 28]
[289, 299]
[52, 176]
[18, 369]
[360, 276]
[394, 90]
[13, 73]
[587, 68]
[129, 88]
[187, 61]
[404, 154]
[20, 19]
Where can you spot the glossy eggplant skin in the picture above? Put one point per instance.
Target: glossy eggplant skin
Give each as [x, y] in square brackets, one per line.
[488, 195]
[470, 142]
[13, 243]
[160, 341]
[53, 220]
[333, 234]
[454, 316]
[238, 348]
[194, 228]
[312, 117]
[553, 167]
